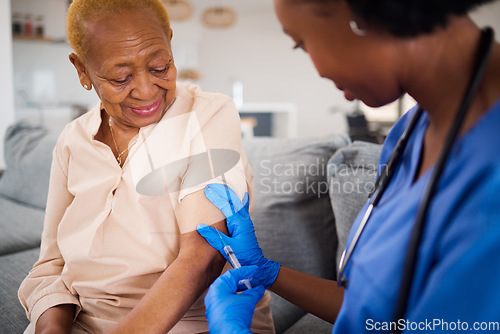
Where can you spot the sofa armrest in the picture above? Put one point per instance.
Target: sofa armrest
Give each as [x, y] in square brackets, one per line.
[351, 177]
[28, 157]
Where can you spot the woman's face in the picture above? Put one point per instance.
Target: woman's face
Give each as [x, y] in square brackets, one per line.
[363, 67]
[130, 64]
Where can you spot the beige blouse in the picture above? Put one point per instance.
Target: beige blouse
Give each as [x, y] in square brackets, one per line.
[110, 232]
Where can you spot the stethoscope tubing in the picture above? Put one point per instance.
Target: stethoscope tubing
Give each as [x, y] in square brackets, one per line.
[484, 50]
[383, 180]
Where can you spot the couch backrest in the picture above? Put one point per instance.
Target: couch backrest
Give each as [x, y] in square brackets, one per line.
[28, 157]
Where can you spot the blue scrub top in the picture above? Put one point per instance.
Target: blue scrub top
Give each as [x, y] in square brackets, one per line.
[456, 287]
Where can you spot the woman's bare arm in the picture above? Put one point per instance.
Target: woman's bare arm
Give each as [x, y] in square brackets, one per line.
[196, 267]
[57, 319]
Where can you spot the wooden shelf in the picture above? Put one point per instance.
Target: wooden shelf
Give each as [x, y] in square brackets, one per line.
[32, 38]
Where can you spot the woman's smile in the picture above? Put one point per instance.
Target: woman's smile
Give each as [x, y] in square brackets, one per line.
[146, 110]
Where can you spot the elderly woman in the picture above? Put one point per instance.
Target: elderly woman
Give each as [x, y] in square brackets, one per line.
[423, 254]
[119, 249]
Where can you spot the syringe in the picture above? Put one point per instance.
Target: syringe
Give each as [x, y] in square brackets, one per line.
[236, 264]
[233, 260]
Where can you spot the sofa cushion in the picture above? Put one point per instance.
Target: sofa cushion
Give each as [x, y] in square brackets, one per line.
[20, 225]
[13, 269]
[352, 172]
[28, 157]
[310, 324]
[293, 215]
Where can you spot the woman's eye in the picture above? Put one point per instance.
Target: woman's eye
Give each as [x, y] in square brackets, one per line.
[120, 81]
[160, 70]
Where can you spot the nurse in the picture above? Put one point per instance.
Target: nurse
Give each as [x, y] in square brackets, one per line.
[425, 250]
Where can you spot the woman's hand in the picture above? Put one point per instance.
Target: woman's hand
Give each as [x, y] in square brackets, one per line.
[227, 311]
[243, 240]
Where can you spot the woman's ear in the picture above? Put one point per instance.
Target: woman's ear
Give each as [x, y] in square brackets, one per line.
[81, 70]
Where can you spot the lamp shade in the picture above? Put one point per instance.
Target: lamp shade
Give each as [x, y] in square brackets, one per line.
[218, 17]
[178, 10]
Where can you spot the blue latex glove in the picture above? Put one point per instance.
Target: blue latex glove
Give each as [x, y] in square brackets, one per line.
[227, 311]
[243, 240]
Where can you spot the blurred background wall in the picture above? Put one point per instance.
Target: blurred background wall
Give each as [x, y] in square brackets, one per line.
[252, 59]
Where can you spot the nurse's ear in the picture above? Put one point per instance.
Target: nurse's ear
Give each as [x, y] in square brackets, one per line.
[81, 70]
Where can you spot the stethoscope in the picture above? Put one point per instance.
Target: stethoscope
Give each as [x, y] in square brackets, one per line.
[384, 178]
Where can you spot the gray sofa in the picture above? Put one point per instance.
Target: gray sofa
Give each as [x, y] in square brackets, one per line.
[307, 193]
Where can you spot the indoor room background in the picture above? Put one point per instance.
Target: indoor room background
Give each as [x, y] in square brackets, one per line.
[251, 61]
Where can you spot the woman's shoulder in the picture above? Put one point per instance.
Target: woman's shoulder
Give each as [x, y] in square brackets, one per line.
[85, 126]
[207, 106]
[186, 90]
[482, 141]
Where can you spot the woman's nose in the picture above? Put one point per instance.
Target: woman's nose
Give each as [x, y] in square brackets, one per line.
[144, 87]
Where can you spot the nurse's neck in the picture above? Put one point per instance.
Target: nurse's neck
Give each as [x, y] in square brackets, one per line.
[442, 67]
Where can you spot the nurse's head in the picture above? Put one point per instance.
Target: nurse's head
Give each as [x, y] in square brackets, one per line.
[367, 47]
[122, 49]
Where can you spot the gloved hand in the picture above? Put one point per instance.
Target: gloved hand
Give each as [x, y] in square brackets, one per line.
[227, 311]
[243, 240]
